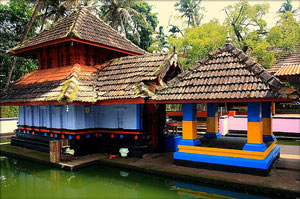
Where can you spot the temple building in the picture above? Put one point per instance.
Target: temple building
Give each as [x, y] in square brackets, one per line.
[90, 87]
[287, 68]
[227, 75]
[100, 91]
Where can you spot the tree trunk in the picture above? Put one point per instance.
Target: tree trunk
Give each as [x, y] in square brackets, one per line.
[36, 10]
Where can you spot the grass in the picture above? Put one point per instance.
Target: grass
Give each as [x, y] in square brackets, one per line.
[288, 142]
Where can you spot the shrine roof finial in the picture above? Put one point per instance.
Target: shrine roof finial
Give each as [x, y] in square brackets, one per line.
[228, 40]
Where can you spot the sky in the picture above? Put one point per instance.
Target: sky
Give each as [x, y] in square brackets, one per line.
[165, 9]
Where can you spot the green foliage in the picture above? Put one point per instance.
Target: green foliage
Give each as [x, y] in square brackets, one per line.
[14, 17]
[190, 9]
[243, 20]
[9, 111]
[287, 7]
[249, 31]
[262, 55]
[286, 33]
[144, 28]
[199, 41]
[121, 16]
[160, 43]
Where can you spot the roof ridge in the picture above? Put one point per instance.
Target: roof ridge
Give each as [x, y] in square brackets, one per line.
[44, 30]
[72, 30]
[252, 66]
[131, 43]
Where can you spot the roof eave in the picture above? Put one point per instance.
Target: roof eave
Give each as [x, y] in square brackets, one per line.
[155, 101]
[72, 38]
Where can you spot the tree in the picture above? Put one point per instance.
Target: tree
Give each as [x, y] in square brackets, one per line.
[190, 9]
[53, 10]
[243, 20]
[14, 16]
[248, 30]
[286, 33]
[286, 6]
[145, 29]
[160, 43]
[197, 42]
[120, 15]
[28, 27]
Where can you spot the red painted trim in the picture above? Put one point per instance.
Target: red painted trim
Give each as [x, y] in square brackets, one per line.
[39, 46]
[106, 102]
[81, 132]
[71, 39]
[217, 101]
[121, 101]
[32, 103]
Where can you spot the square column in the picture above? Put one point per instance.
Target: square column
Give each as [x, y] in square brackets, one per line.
[267, 122]
[189, 125]
[254, 131]
[212, 122]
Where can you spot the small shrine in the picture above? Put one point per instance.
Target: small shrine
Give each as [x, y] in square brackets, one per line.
[91, 87]
[227, 75]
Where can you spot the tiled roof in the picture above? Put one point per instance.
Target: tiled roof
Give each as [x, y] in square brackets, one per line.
[224, 74]
[286, 59]
[288, 69]
[123, 78]
[83, 25]
[55, 84]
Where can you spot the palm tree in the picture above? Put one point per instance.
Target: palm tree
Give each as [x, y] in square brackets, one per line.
[35, 12]
[120, 15]
[53, 10]
[191, 10]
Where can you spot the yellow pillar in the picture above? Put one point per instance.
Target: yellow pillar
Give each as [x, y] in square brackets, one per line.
[255, 129]
[189, 125]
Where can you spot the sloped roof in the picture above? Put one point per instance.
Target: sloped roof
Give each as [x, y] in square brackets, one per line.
[83, 25]
[288, 70]
[287, 59]
[123, 78]
[54, 84]
[225, 74]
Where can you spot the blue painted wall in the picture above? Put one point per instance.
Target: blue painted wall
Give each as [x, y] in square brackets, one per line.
[127, 116]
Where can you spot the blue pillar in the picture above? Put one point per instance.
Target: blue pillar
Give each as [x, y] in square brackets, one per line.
[254, 131]
[189, 125]
[268, 135]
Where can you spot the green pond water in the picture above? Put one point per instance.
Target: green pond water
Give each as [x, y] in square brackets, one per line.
[24, 179]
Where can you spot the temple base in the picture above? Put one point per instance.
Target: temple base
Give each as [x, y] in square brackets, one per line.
[269, 138]
[188, 142]
[225, 163]
[255, 147]
[212, 135]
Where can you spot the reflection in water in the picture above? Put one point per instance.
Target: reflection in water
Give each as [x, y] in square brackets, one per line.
[195, 191]
[22, 179]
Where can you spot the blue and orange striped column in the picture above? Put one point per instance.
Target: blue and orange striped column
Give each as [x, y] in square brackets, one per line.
[255, 131]
[212, 122]
[189, 125]
[267, 122]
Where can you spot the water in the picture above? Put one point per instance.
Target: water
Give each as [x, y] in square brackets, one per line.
[23, 179]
